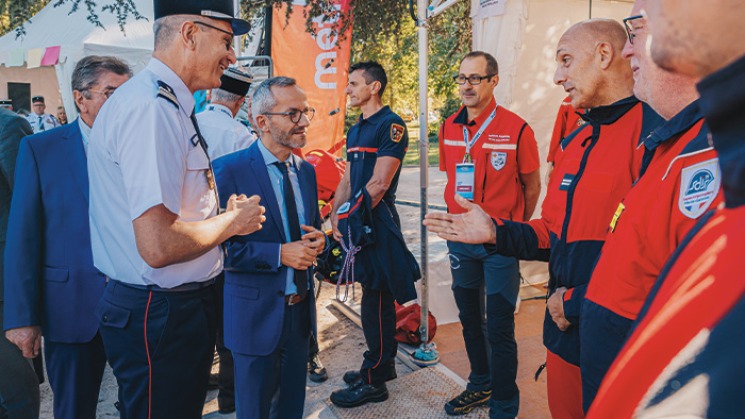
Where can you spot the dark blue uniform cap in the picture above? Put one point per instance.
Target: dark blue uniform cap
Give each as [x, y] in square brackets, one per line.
[235, 81]
[214, 9]
[37, 99]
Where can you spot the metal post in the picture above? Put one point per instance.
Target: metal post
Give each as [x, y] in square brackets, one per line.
[268, 28]
[426, 354]
[237, 39]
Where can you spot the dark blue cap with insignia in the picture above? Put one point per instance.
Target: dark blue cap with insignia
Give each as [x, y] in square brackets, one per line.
[214, 9]
[37, 99]
[235, 81]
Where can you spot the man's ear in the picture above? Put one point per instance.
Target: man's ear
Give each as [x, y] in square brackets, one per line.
[188, 34]
[262, 123]
[604, 54]
[77, 97]
[375, 87]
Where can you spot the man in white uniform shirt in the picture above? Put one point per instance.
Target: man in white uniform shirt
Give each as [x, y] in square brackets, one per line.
[39, 120]
[219, 128]
[155, 228]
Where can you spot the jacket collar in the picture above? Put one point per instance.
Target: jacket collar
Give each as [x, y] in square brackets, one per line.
[678, 124]
[608, 114]
[462, 117]
[722, 103]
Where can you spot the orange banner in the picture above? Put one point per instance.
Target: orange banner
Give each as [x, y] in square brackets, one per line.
[320, 68]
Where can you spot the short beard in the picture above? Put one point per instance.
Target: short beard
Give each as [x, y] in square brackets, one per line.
[285, 138]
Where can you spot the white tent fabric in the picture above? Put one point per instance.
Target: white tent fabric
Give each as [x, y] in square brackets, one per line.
[77, 37]
[523, 40]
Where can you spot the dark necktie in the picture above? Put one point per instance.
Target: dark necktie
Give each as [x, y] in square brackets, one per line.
[301, 277]
[41, 123]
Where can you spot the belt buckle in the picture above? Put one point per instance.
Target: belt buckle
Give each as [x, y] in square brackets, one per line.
[291, 299]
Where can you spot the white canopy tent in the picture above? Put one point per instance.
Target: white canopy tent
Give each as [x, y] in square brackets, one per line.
[77, 37]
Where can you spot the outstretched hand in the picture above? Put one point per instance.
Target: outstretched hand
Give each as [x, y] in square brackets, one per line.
[473, 226]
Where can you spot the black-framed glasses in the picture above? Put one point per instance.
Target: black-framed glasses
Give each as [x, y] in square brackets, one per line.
[295, 114]
[197, 22]
[629, 28]
[472, 80]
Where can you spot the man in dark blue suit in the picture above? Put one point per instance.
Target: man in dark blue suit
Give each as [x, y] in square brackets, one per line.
[51, 285]
[19, 386]
[269, 307]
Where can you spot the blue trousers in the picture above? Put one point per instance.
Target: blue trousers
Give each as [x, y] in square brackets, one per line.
[488, 321]
[75, 371]
[602, 334]
[19, 387]
[273, 386]
[160, 346]
[378, 317]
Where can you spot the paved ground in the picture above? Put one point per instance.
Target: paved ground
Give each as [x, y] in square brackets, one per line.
[342, 343]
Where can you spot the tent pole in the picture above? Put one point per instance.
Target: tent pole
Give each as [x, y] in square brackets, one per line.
[426, 354]
[237, 39]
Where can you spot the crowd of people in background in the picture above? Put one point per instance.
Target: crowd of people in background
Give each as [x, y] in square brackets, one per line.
[150, 237]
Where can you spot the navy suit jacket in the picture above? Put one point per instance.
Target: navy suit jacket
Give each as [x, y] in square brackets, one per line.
[254, 282]
[50, 280]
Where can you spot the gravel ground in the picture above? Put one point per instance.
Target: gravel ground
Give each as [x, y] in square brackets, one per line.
[341, 344]
[340, 340]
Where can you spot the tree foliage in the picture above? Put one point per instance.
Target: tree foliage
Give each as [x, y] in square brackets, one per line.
[383, 30]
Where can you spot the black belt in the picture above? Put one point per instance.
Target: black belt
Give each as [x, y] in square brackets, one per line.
[189, 286]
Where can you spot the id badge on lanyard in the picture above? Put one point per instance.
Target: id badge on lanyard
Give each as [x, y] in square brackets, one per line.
[464, 179]
[465, 172]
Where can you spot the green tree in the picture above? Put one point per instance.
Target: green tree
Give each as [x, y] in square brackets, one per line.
[383, 30]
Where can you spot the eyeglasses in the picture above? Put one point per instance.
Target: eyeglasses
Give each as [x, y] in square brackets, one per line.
[196, 22]
[629, 28]
[295, 114]
[106, 93]
[472, 80]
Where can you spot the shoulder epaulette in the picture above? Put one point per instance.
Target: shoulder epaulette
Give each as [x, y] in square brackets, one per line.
[166, 92]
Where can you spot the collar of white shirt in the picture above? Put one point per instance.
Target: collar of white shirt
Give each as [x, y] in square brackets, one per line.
[85, 133]
[216, 107]
[169, 77]
[270, 159]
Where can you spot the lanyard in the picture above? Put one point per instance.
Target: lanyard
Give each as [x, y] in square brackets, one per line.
[471, 142]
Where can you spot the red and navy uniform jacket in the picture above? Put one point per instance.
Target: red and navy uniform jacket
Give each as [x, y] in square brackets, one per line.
[684, 357]
[382, 134]
[567, 120]
[680, 184]
[506, 150]
[595, 168]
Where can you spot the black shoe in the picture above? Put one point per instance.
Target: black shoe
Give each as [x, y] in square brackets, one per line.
[360, 393]
[467, 401]
[351, 377]
[212, 384]
[316, 372]
[226, 408]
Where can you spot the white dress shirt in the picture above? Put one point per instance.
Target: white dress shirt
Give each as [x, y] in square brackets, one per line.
[222, 132]
[142, 154]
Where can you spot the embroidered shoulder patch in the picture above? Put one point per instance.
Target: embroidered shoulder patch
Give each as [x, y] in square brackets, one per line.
[397, 132]
[166, 92]
[699, 185]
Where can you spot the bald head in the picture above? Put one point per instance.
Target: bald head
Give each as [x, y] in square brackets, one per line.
[592, 32]
[590, 65]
